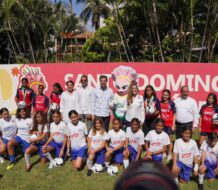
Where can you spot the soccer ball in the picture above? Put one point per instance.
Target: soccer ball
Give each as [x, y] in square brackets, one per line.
[58, 162]
[112, 170]
[54, 106]
[96, 168]
[150, 109]
[21, 104]
[33, 136]
[215, 117]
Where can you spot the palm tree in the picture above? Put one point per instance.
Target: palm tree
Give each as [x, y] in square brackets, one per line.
[94, 9]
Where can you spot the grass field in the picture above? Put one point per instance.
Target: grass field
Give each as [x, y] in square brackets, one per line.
[42, 178]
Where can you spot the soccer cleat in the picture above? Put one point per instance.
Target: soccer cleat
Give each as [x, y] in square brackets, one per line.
[89, 173]
[1, 160]
[200, 187]
[11, 165]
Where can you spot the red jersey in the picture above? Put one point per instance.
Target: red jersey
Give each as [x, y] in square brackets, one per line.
[206, 119]
[40, 102]
[26, 95]
[167, 112]
[56, 98]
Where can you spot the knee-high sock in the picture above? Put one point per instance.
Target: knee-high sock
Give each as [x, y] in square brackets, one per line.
[27, 159]
[89, 164]
[126, 163]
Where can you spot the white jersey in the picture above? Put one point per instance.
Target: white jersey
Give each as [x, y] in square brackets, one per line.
[45, 129]
[157, 141]
[24, 126]
[116, 138]
[77, 134]
[8, 128]
[97, 139]
[211, 152]
[186, 151]
[58, 131]
[135, 139]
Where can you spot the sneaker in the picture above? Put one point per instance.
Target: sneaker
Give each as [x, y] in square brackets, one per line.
[11, 165]
[1, 160]
[169, 157]
[51, 165]
[89, 173]
[200, 187]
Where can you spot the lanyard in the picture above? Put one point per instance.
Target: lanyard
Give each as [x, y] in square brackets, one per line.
[24, 92]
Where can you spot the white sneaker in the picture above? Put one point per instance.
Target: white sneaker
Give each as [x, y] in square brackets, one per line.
[1, 160]
[51, 165]
[169, 157]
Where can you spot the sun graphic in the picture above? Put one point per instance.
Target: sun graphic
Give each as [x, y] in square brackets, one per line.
[15, 71]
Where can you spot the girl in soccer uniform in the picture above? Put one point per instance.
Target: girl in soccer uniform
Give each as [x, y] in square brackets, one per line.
[40, 101]
[40, 128]
[152, 108]
[207, 111]
[184, 154]
[156, 142]
[96, 144]
[209, 159]
[55, 96]
[115, 145]
[77, 133]
[133, 143]
[8, 129]
[168, 114]
[57, 140]
[24, 125]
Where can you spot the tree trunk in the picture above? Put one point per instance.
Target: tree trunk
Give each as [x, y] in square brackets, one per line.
[30, 46]
[12, 45]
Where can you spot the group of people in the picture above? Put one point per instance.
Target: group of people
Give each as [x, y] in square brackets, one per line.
[76, 123]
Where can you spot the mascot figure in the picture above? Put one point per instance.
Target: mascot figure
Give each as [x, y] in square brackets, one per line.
[123, 76]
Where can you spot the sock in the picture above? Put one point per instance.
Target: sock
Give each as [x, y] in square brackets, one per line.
[27, 159]
[126, 163]
[106, 164]
[200, 178]
[12, 158]
[89, 164]
[176, 180]
[48, 155]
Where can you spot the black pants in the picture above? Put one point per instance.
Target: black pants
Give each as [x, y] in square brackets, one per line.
[179, 127]
[148, 125]
[106, 121]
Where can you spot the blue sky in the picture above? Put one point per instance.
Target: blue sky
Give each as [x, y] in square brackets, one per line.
[77, 8]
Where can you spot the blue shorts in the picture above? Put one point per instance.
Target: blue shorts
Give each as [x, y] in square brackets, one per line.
[5, 141]
[100, 156]
[56, 147]
[210, 170]
[133, 153]
[39, 145]
[204, 134]
[168, 130]
[185, 171]
[25, 144]
[82, 153]
[118, 156]
[157, 157]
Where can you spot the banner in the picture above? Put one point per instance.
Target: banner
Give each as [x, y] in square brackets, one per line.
[201, 78]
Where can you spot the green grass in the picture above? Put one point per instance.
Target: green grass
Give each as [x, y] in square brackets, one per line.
[42, 178]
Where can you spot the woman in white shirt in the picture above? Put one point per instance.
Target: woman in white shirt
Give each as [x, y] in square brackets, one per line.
[24, 125]
[135, 106]
[68, 101]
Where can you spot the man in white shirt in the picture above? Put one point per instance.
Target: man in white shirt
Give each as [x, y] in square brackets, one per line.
[68, 101]
[85, 102]
[186, 111]
[102, 96]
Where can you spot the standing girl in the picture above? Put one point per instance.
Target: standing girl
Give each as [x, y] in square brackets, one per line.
[168, 110]
[156, 142]
[8, 129]
[133, 143]
[96, 144]
[135, 106]
[55, 96]
[152, 108]
[40, 129]
[57, 140]
[207, 111]
[24, 125]
[115, 145]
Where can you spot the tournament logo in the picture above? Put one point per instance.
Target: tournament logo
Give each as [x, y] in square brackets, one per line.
[34, 76]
